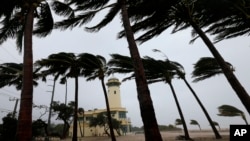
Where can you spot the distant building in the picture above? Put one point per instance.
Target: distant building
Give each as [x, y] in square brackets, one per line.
[117, 111]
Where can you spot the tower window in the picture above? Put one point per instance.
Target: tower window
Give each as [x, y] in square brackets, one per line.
[122, 114]
[114, 92]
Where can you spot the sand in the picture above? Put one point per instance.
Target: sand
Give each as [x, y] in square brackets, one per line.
[167, 136]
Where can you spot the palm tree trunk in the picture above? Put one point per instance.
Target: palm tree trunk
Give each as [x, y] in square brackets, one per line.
[187, 137]
[217, 134]
[24, 129]
[112, 134]
[235, 84]
[146, 105]
[74, 138]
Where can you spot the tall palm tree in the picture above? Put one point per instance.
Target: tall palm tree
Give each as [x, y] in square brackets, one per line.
[17, 21]
[96, 67]
[68, 65]
[88, 9]
[163, 71]
[123, 64]
[231, 111]
[195, 14]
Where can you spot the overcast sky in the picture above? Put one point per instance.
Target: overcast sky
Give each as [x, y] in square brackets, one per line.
[212, 92]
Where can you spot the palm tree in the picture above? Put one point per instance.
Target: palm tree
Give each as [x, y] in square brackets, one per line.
[90, 8]
[194, 122]
[207, 67]
[181, 75]
[216, 124]
[123, 64]
[96, 67]
[178, 122]
[188, 13]
[68, 65]
[231, 111]
[17, 20]
[164, 71]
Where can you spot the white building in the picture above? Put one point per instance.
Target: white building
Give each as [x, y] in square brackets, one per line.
[117, 111]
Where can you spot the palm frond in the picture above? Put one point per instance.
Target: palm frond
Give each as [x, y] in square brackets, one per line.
[207, 67]
[9, 28]
[228, 110]
[90, 4]
[75, 21]
[115, 8]
[45, 22]
[63, 9]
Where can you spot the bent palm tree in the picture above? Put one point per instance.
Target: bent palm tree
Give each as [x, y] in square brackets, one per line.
[178, 122]
[216, 124]
[194, 122]
[96, 67]
[181, 75]
[164, 71]
[68, 65]
[231, 111]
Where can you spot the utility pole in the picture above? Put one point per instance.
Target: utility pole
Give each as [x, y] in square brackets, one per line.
[14, 111]
[52, 98]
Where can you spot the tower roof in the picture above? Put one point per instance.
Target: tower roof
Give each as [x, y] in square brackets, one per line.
[113, 81]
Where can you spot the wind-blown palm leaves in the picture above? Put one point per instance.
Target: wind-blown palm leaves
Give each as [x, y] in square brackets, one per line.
[12, 74]
[236, 19]
[207, 67]
[95, 66]
[231, 111]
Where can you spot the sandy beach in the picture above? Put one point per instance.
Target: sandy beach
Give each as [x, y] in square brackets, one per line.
[167, 136]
